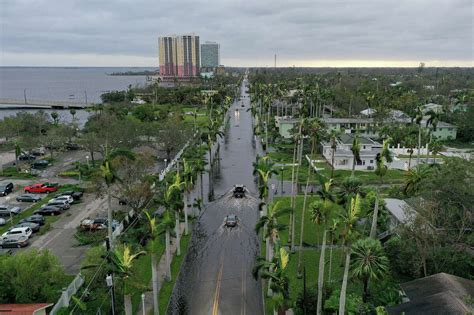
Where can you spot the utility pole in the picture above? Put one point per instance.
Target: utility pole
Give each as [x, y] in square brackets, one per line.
[110, 277]
[24, 95]
[85, 95]
[275, 61]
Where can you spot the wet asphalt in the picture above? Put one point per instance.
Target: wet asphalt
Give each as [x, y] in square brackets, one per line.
[215, 277]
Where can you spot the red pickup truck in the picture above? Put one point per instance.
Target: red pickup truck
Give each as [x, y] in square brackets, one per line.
[41, 188]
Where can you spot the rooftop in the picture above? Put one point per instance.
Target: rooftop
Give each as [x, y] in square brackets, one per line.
[398, 208]
[440, 293]
[347, 138]
[23, 309]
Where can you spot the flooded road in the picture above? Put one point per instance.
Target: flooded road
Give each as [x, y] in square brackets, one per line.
[216, 277]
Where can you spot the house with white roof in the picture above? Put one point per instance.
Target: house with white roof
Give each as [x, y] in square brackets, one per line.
[343, 157]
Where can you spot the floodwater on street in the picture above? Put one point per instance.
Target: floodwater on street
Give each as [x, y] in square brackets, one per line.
[216, 276]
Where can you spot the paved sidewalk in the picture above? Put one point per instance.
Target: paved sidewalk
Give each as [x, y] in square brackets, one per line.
[161, 276]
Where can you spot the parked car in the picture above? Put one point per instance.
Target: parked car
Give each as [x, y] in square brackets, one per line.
[25, 231]
[123, 201]
[33, 226]
[35, 218]
[14, 241]
[27, 157]
[67, 198]
[239, 191]
[28, 198]
[231, 220]
[71, 146]
[97, 224]
[49, 210]
[41, 188]
[40, 164]
[76, 195]
[37, 152]
[6, 188]
[6, 211]
[2, 221]
[63, 204]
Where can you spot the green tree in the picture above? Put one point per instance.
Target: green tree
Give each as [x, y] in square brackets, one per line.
[368, 262]
[381, 159]
[276, 271]
[122, 262]
[355, 148]
[154, 231]
[348, 222]
[31, 276]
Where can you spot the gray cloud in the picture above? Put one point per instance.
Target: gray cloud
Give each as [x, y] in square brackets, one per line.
[247, 30]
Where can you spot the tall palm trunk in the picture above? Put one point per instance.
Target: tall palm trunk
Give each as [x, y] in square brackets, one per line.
[342, 297]
[373, 228]
[127, 301]
[186, 224]
[109, 218]
[291, 232]
[330, 260]
[353, 166]
[332, 162]
[154, 277]
[419, 145]
[303, 210]
[178, 236]
[167, 255]
[321, 274]
[293, 223]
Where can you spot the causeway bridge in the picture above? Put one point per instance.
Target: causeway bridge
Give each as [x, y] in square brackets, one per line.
[7, 103]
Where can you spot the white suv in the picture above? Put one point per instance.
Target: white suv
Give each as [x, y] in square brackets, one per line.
[23, 231]
[68, 198]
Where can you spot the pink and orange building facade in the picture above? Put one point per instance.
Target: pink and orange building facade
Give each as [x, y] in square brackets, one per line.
[179, 57]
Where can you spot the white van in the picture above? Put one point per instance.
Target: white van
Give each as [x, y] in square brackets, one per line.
[24, 231]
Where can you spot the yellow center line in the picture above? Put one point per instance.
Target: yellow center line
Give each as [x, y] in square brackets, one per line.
[215, 306]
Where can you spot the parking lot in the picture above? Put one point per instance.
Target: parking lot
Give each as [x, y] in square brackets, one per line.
[59, 237]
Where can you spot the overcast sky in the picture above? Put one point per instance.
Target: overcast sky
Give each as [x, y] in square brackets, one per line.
[300, 32]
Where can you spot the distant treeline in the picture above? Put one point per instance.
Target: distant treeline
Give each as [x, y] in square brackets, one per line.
[145, 72]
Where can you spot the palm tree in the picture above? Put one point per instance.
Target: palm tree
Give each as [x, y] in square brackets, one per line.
[109, 176]
[297, 152]
[433, 120]
[349, 188]
[348, 222]
[210, 134]
[436, 147]
[333, 136]
[410, 143]
[314, 129]
[165, 227]
[188, 183]
[332, 234]
[355, 148]
[418, 119]
[176, 204]
[154, 231]
[275, 270]
[369, 262]
[414, 177]
[122, 263]
[264, 169]
[381, 169]
[319, 215]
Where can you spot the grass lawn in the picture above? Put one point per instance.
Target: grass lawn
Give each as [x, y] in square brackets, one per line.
[13, 172]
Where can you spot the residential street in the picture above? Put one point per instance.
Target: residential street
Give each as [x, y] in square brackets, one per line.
[216, 276]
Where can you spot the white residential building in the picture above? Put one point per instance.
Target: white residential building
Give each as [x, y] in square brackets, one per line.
[343, 157]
